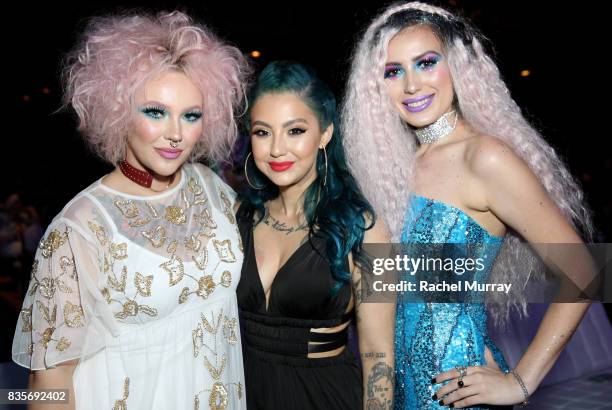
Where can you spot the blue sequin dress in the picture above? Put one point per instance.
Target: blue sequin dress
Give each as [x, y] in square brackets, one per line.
[434, 337]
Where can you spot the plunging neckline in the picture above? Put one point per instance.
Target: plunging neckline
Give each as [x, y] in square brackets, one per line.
[278, 272]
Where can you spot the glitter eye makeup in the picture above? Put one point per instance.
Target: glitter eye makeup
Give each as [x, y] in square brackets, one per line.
[428, 62]
[393, 71]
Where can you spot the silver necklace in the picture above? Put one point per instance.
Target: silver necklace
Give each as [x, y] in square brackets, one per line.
[436, 131]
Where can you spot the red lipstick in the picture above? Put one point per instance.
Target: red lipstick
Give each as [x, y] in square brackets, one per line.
[281, 166]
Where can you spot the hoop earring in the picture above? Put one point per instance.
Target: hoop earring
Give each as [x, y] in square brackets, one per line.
[325, 176]
[246, 174]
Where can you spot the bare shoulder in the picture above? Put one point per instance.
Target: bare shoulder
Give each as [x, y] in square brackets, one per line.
[486, 156]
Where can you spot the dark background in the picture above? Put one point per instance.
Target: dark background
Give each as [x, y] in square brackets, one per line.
[564, 97]
[45, 161]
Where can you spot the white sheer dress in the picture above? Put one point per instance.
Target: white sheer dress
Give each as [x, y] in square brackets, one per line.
[142, 291]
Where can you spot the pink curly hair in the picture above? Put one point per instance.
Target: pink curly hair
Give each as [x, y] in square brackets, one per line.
[120, 53]
[373, 129]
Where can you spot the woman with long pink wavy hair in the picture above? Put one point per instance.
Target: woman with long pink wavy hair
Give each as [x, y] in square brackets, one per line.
[132, 298]
[445, 156]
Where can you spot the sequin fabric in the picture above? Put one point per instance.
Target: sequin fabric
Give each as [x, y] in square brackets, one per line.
[435, 337]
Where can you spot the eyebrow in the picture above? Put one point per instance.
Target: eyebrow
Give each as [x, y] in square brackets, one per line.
[164, 106]
[291, 122]
[417, 58]
[286, 124]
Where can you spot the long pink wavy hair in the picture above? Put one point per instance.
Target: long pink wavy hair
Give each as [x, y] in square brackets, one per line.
[118, 54]
[374, 133]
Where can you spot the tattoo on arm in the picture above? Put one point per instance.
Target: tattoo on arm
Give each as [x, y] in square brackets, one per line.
[374, 355]
[380, 387]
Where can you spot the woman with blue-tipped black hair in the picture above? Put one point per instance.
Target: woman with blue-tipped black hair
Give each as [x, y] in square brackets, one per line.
[303, 222]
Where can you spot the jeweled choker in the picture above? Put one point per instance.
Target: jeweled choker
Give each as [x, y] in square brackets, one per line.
[436, 131]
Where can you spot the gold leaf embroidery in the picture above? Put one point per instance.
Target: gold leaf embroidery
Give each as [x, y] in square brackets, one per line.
[175, 268]
[152, 211]
[197, 336]
[214, 372]
[157, 236]
[143, 284]
[30, 349]
[26, 318]
[135, 223]
[119, 251]
[175, 215]
[172, 247]
[201, 260]
[226, 279]
[121, 404]
[106, 295]
[50, 318]
[119, 286]
[63, 344]
[99, 231]
[193, 243]
[34, 267]
[224, 250]
[201, 201]
[127, 208]
[225, 200]
[61, 285]
[206, 286]
[147, 310]
[47, 336]
[207, 326]
[205, 219]
[218, 397]
[68, 267]
[130, 308]
[52, 242]
[227, 208]
[229, 330]
[194, 187]
[73, 315]
[239, 390]
[184, 295]
[47, 288]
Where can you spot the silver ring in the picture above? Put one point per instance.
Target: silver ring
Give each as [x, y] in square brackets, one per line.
[462, 371]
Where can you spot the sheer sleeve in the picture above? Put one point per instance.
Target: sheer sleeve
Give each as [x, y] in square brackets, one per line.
[222, 195]
[53, 322]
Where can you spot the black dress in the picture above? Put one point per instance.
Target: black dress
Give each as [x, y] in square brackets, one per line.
[278, 372]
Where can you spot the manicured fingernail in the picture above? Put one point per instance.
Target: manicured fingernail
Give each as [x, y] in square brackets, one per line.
[441, 403]
[434, 397]
[433, 380]
[451, 405]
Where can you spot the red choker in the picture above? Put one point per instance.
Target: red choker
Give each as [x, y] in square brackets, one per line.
[142, 178]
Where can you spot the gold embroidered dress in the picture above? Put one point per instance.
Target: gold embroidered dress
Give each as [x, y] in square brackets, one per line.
[141, 290]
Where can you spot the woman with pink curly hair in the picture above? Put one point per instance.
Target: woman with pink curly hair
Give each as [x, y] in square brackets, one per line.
[445, 156]
[132, 300]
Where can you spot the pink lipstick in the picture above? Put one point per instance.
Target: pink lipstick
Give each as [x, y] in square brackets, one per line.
[169, 153]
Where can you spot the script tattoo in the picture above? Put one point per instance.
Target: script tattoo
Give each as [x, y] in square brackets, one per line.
[379, 387]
